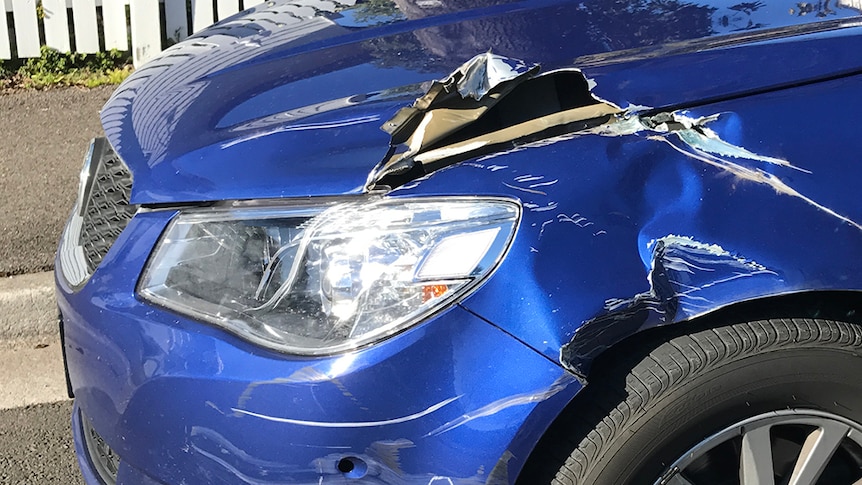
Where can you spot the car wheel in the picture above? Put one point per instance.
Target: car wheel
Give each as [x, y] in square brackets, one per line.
[764, 402]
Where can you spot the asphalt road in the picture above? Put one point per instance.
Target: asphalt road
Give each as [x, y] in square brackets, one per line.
[36, 445]
[45, 136]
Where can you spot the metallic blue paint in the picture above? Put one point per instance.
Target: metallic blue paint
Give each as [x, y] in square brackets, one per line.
[269, 114]
[184, 401]
[620, 233]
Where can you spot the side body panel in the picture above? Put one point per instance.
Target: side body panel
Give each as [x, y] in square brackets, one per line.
[626, 231]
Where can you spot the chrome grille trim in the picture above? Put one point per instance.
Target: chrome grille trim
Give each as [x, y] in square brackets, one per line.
[101, 213]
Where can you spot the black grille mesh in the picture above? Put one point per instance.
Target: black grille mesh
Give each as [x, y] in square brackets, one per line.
[106, 210]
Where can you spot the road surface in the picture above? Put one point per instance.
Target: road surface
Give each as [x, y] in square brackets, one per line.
[46, 135]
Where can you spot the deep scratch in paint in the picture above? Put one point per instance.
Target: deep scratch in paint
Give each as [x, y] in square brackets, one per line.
[755, 175]
[348, 424]
[524, 189]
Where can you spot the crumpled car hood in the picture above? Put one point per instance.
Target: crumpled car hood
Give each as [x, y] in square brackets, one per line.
[287, 100]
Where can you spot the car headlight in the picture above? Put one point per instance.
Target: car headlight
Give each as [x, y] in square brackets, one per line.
[317, 280]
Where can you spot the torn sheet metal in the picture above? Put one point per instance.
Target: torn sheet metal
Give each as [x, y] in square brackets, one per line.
[485, 72]
[438, 125]
[461, 100]
[682, 273]
[687, 135]
[696, 134]
[456, 102]
[468, 93]
[486, 76]
[509, 134]
[721, 174]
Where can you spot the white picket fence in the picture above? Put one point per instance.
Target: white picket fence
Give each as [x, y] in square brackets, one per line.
[119, 18]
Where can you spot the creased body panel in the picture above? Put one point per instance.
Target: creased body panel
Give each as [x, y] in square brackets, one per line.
[628, 230]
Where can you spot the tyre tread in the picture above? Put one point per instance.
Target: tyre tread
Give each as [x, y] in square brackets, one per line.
[650, 377]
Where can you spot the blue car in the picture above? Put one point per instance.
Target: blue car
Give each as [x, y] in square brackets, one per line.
[476, 242]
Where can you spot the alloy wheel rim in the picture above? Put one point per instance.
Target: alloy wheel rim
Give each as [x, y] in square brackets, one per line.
[794, 446]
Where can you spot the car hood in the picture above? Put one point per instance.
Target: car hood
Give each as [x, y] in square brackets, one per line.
[288, 99]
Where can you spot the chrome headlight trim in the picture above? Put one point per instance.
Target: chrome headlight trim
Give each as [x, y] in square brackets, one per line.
[361, 269]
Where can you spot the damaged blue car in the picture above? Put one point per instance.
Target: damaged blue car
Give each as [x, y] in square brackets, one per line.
[484, 241]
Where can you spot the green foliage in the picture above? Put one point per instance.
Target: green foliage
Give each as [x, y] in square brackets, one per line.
[66, 69]
[55, 62]
[372, 10]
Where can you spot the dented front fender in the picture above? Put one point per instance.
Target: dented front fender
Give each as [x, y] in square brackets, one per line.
[661, 223]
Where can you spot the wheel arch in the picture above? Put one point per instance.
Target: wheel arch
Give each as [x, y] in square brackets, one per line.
[608, 334]
[839, 305]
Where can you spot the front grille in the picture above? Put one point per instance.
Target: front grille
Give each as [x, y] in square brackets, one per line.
[106, 212]
[105, 462]
[101, 213]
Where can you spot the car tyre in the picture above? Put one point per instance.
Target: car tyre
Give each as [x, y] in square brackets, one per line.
[653, 407]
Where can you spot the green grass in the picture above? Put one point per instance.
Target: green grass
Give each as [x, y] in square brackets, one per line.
[55, 68]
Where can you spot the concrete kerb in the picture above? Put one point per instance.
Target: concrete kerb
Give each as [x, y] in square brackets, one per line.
[27, 306]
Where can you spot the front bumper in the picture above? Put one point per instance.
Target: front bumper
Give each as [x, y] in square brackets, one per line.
[453, 399]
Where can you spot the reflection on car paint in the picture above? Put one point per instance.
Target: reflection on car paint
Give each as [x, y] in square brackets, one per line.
[271, 123]
[301, 127]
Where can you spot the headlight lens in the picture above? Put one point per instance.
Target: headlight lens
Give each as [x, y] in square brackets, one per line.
[320, 280]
